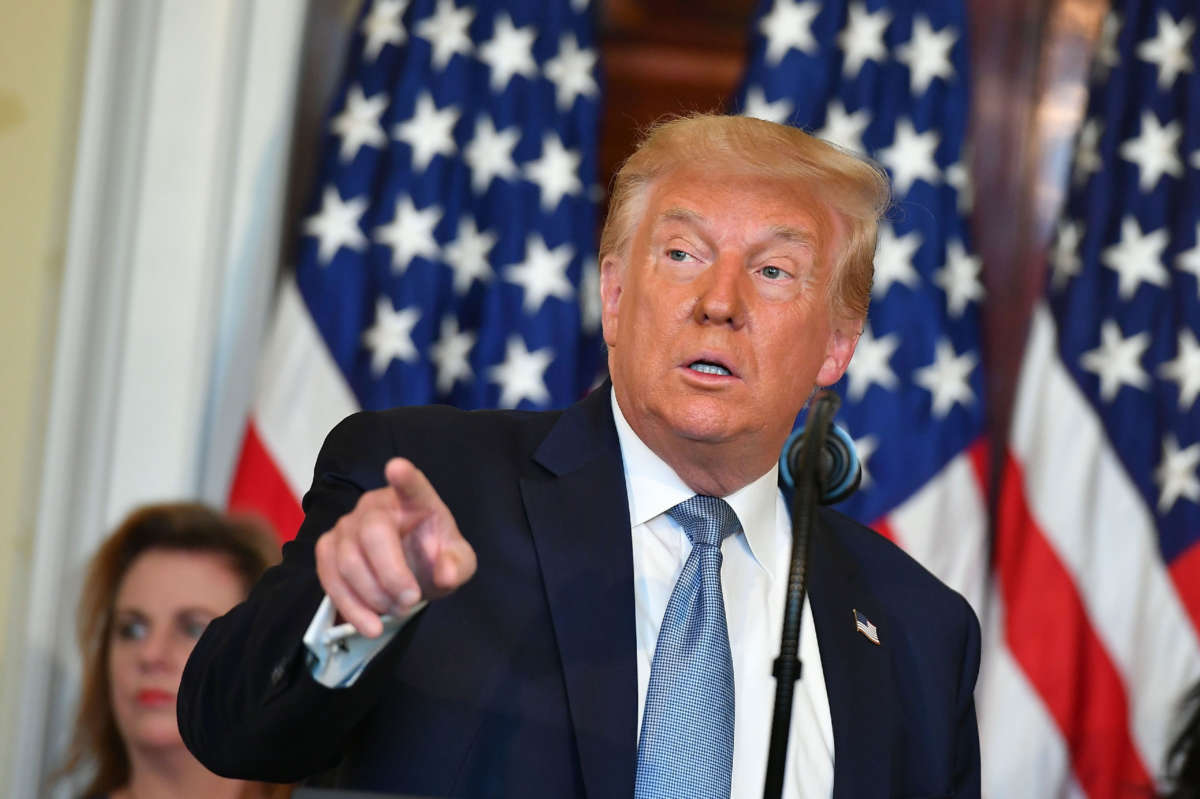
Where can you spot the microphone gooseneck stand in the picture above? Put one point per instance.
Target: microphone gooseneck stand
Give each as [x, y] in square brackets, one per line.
[804, 503]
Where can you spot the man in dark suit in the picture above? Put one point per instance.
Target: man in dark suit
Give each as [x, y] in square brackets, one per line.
[545, 643]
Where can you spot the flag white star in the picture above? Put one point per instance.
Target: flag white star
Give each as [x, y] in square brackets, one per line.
[446, 32]
[1136, 258]
[509, 52]
[1087, 151]
[1065, 258]
[1189, 261]
[1184, 369]
[865, 447]
[490, 154]
[959, 278]
[871, 364]
[910, 156]
[358, 124]
[429, 132]
[947, 378]
[543, 273]
[927, 54]
[1117, 360]
[758, 107]
[862, 38]
[450, 354]
[410, 233]
[555, 171]
[1154, 151]
[788, 26]
[589, 297]
[894, 260]
[467, 255]
[571, 72]
[1176, 474]
[845, 129]
[1168, 50]
[522, 374]
[336, 225]
[958, 176]
[1107, 55]
[390, 338]
[384, 26]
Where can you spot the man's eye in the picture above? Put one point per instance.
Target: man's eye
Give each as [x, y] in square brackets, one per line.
[772, 272]
[677, 255]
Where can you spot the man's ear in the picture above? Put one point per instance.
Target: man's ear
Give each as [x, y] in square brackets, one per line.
[838, 351]
[612, 276]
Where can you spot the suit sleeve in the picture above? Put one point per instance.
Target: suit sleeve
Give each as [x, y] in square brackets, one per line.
[966, 756]
[248, 706]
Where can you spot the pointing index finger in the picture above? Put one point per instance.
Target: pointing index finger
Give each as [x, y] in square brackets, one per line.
[412, 488]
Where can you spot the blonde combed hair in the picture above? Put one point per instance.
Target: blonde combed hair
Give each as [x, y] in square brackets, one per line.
[850, 186]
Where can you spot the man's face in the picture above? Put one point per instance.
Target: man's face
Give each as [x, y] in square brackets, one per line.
[717, 317]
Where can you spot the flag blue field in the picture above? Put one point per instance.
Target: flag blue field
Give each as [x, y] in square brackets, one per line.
[449, 250]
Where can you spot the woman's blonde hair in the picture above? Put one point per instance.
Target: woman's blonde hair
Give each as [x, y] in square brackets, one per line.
[247, 544]
[851, 187]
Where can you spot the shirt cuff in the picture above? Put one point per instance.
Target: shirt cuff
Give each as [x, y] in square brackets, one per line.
[337, 654]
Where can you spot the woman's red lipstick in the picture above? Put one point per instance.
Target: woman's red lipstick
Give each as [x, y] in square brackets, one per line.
[150, 697]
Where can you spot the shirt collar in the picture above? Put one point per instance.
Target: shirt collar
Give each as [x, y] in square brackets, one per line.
[653, 488]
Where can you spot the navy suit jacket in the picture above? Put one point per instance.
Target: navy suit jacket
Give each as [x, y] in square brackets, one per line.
[524, 681]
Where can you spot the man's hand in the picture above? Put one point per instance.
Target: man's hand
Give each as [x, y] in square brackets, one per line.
[398, 546]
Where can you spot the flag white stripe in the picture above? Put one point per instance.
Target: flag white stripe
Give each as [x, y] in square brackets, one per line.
[302, 394]
[944, 526]
[1023, 753]
[1096, 521]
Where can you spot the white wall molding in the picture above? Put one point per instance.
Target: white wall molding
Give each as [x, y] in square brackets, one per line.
[171, 252]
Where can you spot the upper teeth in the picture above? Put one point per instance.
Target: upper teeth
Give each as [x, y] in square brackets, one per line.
[710, 368]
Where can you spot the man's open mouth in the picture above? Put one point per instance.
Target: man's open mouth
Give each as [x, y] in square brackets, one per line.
[710, 368]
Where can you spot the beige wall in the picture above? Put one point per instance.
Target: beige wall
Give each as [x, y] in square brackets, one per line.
[42, 51]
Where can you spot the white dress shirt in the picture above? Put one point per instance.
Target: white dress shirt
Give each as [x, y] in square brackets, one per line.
[754, 582]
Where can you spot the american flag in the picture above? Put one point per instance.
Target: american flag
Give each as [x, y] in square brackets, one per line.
[1098, 529]
[863, 625]
[890, 80]
[449, 254]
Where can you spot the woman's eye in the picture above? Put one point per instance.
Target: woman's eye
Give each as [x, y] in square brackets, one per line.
[194, 628]
[131, 630]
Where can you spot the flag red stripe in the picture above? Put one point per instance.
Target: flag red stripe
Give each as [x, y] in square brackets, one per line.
[980, 454]
[885, 529]
[1185, 572]
[259, 487]
[1049, 634]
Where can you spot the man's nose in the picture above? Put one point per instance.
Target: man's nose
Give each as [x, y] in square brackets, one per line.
[722, 298]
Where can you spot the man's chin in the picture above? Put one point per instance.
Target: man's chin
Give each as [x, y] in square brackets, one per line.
[712, 429]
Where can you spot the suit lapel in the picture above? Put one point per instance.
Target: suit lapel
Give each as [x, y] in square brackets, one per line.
[579, 518]
[858, 676]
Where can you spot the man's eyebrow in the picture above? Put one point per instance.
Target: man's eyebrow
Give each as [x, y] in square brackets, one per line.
[794, 235]
[678, 214]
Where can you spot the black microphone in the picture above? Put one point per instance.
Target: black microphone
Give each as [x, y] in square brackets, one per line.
[839, 471]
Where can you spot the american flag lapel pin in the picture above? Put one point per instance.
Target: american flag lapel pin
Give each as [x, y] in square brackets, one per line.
[863, 625]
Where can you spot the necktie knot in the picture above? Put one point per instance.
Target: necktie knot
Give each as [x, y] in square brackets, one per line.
[706, 520]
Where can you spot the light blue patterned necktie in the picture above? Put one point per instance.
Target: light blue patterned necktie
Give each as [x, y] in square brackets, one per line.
[686, 744]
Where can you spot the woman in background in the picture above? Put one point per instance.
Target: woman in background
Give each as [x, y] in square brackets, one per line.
[1183, 761]
[150, 591]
